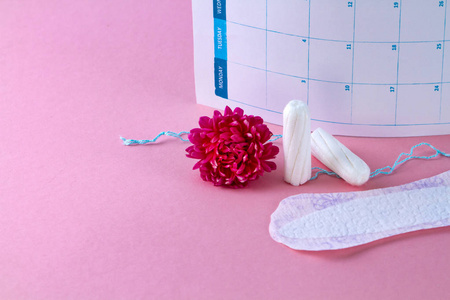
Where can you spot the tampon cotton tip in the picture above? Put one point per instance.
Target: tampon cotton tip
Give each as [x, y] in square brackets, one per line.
[339, 158]
[296, 143]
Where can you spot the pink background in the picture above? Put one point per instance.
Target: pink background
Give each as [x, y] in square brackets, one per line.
[84, 217]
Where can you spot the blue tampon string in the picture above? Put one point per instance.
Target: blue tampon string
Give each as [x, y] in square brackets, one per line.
[402, 158]
[129, 142]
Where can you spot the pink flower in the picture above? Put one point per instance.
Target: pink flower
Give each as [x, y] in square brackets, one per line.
[232, 148]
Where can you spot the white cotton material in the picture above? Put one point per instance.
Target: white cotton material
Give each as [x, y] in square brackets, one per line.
[333, 154]
[341, 220]
[296, 143]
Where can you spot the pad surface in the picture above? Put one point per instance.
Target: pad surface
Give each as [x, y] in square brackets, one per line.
[342, 220]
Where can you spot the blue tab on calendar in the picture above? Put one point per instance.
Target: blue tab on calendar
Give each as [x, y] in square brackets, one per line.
[220, 49]
[220, 11]
[221, 77]
[220, 39]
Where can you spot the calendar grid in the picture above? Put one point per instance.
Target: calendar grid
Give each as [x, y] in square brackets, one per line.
[353, 62]
[323, 62]
[334, 40]
[335, 122]
[398, 58]
[331, 81]
[443, 59]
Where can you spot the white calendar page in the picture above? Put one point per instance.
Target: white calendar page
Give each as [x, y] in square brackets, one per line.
[364, 67]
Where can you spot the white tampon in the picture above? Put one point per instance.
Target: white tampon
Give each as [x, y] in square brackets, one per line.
[296, 143]
[339, 158]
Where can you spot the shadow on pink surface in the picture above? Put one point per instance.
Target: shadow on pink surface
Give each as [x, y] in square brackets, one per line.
[401, 240]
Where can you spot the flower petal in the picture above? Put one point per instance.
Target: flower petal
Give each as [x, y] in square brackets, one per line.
[231, 148]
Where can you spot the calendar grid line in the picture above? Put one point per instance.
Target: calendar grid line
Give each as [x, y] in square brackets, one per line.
[391, 125]
[337, 41]
[443, 59]
[353, 62]
[398, 58]
[266, 56]
[341, 123]
[337, 82]
[309, 46]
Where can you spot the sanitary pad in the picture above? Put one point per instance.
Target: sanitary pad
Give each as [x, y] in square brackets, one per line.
[342, 220]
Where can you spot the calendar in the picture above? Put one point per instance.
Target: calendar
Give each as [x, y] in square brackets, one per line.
[364, 67]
